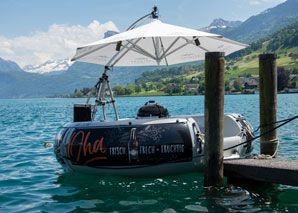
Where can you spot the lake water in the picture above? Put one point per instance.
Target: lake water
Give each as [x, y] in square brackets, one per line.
[31, 180]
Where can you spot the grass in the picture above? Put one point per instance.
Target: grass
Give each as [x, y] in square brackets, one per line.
[250, 64]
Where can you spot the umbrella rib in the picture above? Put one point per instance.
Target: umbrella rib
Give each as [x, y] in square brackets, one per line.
[140, 50]
[163, 49]
[171, 45]
[155, 48]
[202, 48]
[87, 53]
[178, 48]
[125, 52]
[191, 42]
[143, 53]
[183, 45]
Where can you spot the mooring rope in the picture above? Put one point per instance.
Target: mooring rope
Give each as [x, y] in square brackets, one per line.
[293, 118]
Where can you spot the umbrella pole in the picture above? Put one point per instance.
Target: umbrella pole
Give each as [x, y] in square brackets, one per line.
[101, 86]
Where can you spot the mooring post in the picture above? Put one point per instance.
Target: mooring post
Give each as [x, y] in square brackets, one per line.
[268, 103]
[214, 117]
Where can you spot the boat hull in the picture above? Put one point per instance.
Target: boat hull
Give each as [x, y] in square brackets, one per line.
[139, 147]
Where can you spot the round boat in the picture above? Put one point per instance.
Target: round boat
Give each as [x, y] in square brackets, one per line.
[152, 144]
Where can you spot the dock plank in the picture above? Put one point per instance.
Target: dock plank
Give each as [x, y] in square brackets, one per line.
[279, 171]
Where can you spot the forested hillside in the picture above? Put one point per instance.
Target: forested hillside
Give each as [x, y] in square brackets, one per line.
[285, 38]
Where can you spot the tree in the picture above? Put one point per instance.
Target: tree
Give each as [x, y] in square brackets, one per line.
[151, 87]
[138, 88]
[201, 88]
[282, 78]
[128, 91]
[168, 90]
[147, 88]
[237, 84]
[159, 85]
[177, 89]
[227, 86]
[78, 94]
[119, 90]
[293, 82]
[85, 91]
[235, 67]
[144, 85]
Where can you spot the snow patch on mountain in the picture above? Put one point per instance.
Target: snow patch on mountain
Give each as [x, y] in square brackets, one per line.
[49, 66]
[220, 23]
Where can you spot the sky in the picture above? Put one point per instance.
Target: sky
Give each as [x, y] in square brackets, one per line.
[35, 31]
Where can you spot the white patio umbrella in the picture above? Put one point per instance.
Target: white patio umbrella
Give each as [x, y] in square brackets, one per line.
[155, 43]
[151, 44]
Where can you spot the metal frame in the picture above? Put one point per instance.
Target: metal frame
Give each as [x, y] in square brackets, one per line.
[103, 82]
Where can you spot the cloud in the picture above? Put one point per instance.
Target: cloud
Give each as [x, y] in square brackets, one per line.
[59, 42]
[254, 2]
[277, 1]
[258, 2]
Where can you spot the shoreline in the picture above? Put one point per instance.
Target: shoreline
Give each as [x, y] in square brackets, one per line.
[130, 96]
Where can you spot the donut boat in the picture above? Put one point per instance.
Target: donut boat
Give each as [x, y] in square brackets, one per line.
[152, 144]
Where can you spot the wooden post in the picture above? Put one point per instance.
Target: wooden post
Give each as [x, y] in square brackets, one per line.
[214, 117]
[268, 103]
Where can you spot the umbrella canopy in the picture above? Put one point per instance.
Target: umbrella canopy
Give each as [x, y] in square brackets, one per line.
[155, 43]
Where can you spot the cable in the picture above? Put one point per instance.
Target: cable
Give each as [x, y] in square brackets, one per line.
[274, 123]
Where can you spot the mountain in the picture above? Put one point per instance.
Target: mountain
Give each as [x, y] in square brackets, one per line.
[49, 67]
[110, 33]
[77, 76]
[262, 24]
[218, 25]
[6, 65]
[266, 22]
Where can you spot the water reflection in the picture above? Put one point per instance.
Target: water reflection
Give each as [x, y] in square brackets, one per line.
[167, 194]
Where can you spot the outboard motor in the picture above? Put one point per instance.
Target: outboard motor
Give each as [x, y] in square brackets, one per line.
[152, 108]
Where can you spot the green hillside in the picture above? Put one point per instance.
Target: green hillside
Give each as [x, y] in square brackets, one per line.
[284, 43]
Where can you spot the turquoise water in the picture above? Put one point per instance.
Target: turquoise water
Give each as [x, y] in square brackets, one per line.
[31, 180]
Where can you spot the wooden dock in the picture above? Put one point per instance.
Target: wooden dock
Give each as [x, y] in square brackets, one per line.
[278, 171]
